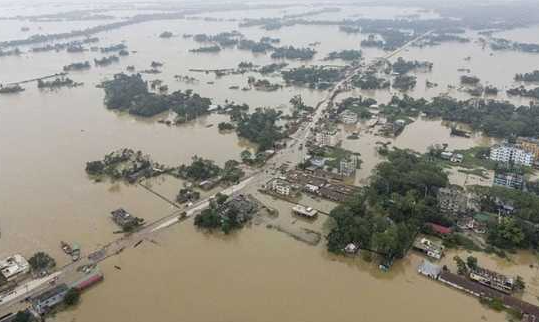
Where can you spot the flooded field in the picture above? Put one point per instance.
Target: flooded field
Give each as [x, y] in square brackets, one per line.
[257, 274]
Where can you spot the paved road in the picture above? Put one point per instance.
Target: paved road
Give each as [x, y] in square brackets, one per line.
[70, 273]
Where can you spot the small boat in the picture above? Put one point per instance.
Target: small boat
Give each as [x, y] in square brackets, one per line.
[66, 248]
[75, 253]
[209, 125]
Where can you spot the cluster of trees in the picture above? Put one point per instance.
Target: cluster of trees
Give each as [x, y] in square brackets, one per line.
[255, 46]
[130, 93]
[41, 261]
[187, 195]
[522, 91]
[219, 216]
[528, 77]
[469, 80]
[359, 105]
[404, 82]
[105, 61]
[402, 66]
[370, 81]
[113, 48]
[313, 76]
[291, 52]
[388, 213]
[56, 83]
[271, 68]
[200, 169]
[223, 39]
[346, 55]
[77, 66]
[260, 127]
[206, 49]
[166, 34]
[494, 118]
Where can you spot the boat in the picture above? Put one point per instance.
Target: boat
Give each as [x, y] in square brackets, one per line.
[66, 248]
[75, 253]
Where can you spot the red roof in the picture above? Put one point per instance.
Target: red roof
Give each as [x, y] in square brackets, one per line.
[440, 229]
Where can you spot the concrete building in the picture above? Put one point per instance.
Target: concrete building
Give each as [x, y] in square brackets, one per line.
[492, 279]
[511, 154]
[429, 269]
[456, 201]
[281, 187]
[326, 137]
[530, 145]
[305, 211]
[47, 300]
[429, 248]
[348, 117]
[14, 266]
[348, 166]
[509, 180]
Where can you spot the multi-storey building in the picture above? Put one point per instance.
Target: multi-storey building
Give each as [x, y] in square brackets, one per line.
[348, 166]
[326, 137]
[511, 154]
[530, 145]
[509, 180]
[348, 117]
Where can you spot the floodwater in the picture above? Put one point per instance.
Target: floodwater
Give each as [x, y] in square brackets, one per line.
[257, 274]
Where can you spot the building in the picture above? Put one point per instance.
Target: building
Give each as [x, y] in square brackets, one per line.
[47, 300]
[281, 187]
[429, 248]
[305, 211]
[439, 229]
[125, 220]
[457, 158]
[456, 201]
[492, 279]
[511, 154]
[318, 162]
[348, 166]
[326, 137]
[429, 269]
[530, 145]
[348, 117]
[509, 180]
[14, 266]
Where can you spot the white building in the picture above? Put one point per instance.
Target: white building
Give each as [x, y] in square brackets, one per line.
[507, 153]
[281, 187]
[14, 266]
[305, 211]
[348, 117]
[326, 137]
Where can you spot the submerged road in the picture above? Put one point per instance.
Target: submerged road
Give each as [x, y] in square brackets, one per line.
[69, 273]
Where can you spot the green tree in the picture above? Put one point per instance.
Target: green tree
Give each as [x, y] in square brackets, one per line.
[246, 156]
[471, 262]
[41, 261]
[506, 234]
[23, 316]
[72, 297]
[461, 265]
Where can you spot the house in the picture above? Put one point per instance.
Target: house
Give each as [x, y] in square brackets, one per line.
[348, 117]
[511, 154]
[351, 248]
[429, 248]
[208, 184]
[429, 269]
[446, 155]
[317, 162]
[439, 229]
[470, 223]
[457, 158]
[47, 300]
[509, 180]
[14, 266]
[492, 279]
[304, 211]
[281, 187]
